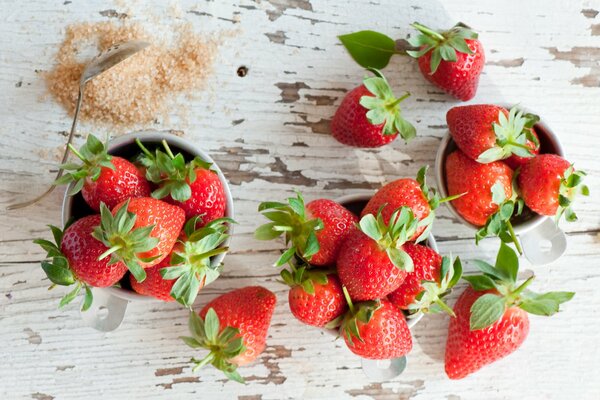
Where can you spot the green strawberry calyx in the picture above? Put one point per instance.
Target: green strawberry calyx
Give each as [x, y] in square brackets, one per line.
[384, 107]
[512, 135]
[93, 156]
[498, 224]
[443, 45]
[56, 266]
[223, 343]
[500, 280]
[125, 243]
[291, 221]
[391, 236]
[430, 300]
[362, 312]
[191, 264]
[170, 172]
[570, 186]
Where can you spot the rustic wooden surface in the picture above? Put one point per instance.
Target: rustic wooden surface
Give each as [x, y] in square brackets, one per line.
[268, 132]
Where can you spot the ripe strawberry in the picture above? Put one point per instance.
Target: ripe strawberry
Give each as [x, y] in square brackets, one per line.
[103, 178]
[430, 281]
[372, 262]
[411, 193]
[451, 60]
[487, 133]
[316, 231]
[155, 285]
[491, 316]
[549, 184]
[139, 232]
[370, 116]
[192, 186]
[475, 180]
[74, 259]
[315, 297]
[376, 330]
[233, 328]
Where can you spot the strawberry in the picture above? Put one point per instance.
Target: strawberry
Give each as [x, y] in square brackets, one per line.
[451, 60]
[233, 327]
[548, 184]
[155, 285]
[315, 297]
[369, 115]
[139, 232]
[192, 186]
[103, 178]
[491, 316]
[411, 193]
[533, 142]
[74, 259]
[487, 133]
[372, 262]
[315, 230]
[432, 279]
[376, 330]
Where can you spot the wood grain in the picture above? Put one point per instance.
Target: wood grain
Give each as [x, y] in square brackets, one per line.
[269, 131]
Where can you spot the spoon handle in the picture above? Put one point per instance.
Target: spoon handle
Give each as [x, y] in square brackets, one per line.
[64, 158]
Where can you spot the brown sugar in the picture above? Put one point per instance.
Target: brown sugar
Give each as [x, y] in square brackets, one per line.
[140, 89]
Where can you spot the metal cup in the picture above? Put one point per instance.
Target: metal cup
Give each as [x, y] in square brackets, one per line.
[108, 308]
[541, 239]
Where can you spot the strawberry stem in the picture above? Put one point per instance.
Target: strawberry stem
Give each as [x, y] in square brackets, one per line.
[427, 31]
[399, 100]
[522, 287]
[109, 252]
[453, 197]
[168, 149]
[513, 236]
[348, 299]
[78, 154]
[143, 148]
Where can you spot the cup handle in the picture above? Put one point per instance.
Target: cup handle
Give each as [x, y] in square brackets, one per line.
[106, 312]
[533, 243]
[383, 370]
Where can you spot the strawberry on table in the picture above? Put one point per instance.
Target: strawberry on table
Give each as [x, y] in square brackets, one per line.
[315, 230]
[452, 60]
[103, 178]
[430, 281]
[491, 315]
[370, 115]
[549, 184]
[192, 186]
[233, 327]
[487, 133]
[376, 330]
[74, 259]
[372, 262]
[139, 232]
[315, 297]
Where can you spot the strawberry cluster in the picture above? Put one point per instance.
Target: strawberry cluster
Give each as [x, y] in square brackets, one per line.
[363, 275]
[153, 223]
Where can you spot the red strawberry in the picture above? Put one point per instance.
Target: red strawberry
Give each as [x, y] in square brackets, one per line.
[74, 259]
[192, 186]
[548, 185]
[476, 180]
[490, 325]
[372, 262]
[234, 329]
[155, 285]
[139, 232]
[316, 231]
[407, 192]
[488, 133]
[315, 297]
[370, 116]
[376, 330]
[103, 178]
[451, 60]
[516, 161]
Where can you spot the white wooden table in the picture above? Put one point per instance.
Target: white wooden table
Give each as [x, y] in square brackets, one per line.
[268, 131]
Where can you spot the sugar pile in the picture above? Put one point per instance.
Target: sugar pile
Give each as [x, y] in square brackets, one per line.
[138, 90]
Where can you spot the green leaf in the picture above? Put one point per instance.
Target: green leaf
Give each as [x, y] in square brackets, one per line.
[285, 257]
[436, 58]
[234, 376]
[88, 299]
[266, 232]
[190, 341]
[312, 245]
[70, 296]
[369, 48]
[507, 261]
[196, 326]
[400, 259]
[498, 194]
[480, 282]
[368, 225]
[545, 304]
[136, 270]
[486, 310]
[58, 274]
[490, 270]
[490, 155]
[448, 53]
[211, 325]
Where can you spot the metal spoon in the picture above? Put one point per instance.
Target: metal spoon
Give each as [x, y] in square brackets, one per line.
[102, 62]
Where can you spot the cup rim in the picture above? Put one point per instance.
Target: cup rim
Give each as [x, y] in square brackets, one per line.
[189, 147]
[440, 161]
